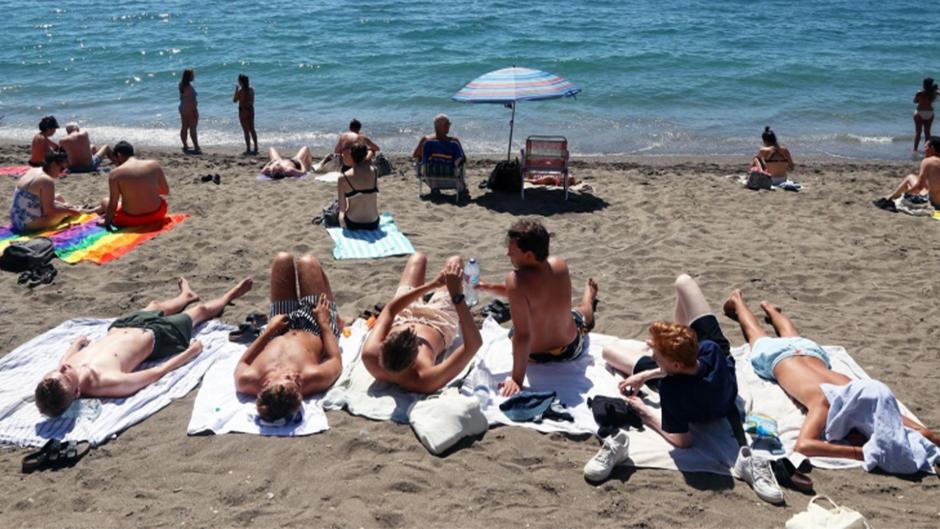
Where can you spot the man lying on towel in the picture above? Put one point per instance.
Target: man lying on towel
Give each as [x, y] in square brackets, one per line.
[106, 368]
[298, 354]
[800, 367]
[137, 190]
[545, 327]
[410, 334]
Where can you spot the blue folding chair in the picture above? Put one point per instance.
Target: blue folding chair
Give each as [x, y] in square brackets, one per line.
[441, 167]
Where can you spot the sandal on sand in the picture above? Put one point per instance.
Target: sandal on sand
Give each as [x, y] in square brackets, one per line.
[246, 332]
[206, 178]
[54, 455]
[216, 179]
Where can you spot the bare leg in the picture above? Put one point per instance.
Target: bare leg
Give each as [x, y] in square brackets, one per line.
[932, 437]
[178, 303]
[184, 125]
[283, 277]
[415, 270]
[304, 157]
[211, 309]
[311, 278]
[927, 125]
[105, 152]
[737, 310]
[192, 130]
[273, 154]
[782, 324]
[622, 356]
[909, 184]
[918, 123]
[588, 302]
[690, 302]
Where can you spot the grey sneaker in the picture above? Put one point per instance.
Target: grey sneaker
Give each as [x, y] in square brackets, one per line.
[756, 471]
[612, 453]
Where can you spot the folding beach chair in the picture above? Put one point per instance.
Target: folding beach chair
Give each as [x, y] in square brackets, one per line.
[545, 155]
[441, 167]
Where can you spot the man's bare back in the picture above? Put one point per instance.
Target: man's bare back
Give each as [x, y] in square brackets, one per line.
[930, 168]
[549, 309]
[139, 185]
[77, 146]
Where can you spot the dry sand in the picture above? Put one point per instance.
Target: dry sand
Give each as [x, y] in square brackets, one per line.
[848, 273]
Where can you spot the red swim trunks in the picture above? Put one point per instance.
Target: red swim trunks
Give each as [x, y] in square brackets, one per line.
[122, 219]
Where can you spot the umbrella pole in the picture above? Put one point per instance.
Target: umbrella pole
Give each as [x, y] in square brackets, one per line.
[512, 124]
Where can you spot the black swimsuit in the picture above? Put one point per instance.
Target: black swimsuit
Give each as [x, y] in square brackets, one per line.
[351, 224]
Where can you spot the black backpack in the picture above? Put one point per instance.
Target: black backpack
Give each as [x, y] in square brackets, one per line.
[506, 176]
[33, 254]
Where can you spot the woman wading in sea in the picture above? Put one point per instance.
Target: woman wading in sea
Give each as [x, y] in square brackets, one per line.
[189, 113]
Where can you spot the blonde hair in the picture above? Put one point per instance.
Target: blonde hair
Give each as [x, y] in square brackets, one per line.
[675, 342]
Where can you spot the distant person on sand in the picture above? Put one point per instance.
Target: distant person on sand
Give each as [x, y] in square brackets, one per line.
[441, 133]
[245, 97]
[298, 354]
[78, 146]
[137, 190]
[108, 367]
[42, 142]
[189, 112]
[923, 116]
[350, 138]
[801, 368]
[411, 335]
[925, 185]
[773, 158]
[35, 203]
[278, 167]
[545, 326]
[358, 192]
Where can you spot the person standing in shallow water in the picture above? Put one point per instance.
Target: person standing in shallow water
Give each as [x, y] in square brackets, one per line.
[189, 113]
[923, 116]
[245, 97]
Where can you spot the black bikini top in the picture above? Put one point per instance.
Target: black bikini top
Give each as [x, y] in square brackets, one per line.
[354, 192]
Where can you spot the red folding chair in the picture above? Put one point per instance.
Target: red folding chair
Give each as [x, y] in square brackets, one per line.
[545, 155]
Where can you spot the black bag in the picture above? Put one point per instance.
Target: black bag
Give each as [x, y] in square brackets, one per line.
[382, 165]
[612, 414]
[506, 176]
[330, 216]
[27, 255]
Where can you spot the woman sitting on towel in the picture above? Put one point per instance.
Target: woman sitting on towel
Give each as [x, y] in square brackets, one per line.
[358, 192]
[773, 158]
[36, 205]
[278, 167]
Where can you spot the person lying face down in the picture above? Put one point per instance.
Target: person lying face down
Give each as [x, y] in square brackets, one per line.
[298, 354]
[545, 326]
[800, 366]
[690, 365]
[106, 367]
[411, 335]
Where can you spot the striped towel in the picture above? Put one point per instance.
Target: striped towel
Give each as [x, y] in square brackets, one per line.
[220, 409]
[90, 419]
[370, 244]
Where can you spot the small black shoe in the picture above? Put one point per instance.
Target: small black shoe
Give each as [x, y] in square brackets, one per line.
[886, 204]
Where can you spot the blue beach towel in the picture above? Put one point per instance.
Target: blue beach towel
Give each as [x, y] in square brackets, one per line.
[369, 244]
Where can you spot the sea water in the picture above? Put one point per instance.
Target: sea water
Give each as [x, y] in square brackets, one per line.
[664, 77]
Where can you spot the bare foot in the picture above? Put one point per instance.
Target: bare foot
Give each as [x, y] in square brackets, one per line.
[185, 289]
[768, 308]
[589, 300]
[240, 289]
[730, 306]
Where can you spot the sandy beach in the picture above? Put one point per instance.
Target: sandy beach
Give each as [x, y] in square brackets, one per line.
[847, 273]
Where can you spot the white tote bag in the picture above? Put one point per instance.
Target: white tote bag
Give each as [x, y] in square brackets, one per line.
[818, 517]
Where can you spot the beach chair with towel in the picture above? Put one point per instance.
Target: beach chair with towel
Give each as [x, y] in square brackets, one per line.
[545, 155]
[441, 167]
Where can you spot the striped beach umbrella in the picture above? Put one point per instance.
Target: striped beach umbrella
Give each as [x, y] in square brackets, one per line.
[509, 85]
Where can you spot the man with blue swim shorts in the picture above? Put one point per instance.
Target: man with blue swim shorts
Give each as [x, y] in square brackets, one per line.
[83, 158]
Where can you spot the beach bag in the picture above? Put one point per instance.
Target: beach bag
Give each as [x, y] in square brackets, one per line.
[329, 218]
[382, 165]
[758, 179]
[818, 517]
[33, 254]
[440, 422]
[506, 176]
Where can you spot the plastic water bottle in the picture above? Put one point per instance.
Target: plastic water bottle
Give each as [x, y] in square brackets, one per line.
[471, 278]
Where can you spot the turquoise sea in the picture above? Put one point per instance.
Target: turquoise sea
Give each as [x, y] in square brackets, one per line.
[663, 77]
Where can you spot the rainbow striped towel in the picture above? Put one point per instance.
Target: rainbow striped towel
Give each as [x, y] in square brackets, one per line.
[370, 244]
[82, 239]
[15, 171]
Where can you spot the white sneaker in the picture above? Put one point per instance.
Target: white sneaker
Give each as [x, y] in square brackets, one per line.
[614, 452]
[756, 471]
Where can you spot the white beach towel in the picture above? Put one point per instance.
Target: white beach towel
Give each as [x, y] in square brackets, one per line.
[92, 420]
[786, 185]
[332, 177]
[262, 176]
[220, 409]
[370, 244]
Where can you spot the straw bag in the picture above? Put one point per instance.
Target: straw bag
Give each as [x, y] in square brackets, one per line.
[817, 517]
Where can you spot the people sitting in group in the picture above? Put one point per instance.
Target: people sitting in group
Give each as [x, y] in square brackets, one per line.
[921, 187]
[773, 158]
[801, 368]
[35, 204]
[137, 190]
[358, 191]
[42, 142]
[108, 367]
[82, 155]
[346, 142]
[446, 142]
[411, 335]
[545, 327]
[278, 167]
[297, 354]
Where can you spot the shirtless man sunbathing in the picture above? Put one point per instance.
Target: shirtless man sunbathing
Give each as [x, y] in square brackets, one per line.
[42, 142]
[137, 190]
[925, 182]
[106, 367]
[410, 335]
[79, 148]
[799, 366]
[293, 358]
[278, 167]
[545, 327]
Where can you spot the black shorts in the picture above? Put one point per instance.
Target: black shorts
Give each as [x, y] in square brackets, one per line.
[706, 328]
[353, 225]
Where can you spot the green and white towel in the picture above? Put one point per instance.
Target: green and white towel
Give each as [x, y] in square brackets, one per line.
[369, 244]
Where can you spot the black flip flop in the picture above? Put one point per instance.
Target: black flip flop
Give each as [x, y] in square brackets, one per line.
[40, 459]
[258, 319]
[246, 332]
[216, 179]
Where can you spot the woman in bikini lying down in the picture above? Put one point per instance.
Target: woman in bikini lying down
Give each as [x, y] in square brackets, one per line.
[279, 167]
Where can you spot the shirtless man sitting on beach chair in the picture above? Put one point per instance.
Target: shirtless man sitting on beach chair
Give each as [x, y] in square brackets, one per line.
[42, 142]
[79, 148]
[926, 182]
[137, 190]
[545, 326]
[441, 133]
[106, 367]
[799, 366]
[410, 335]
[293, 358]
